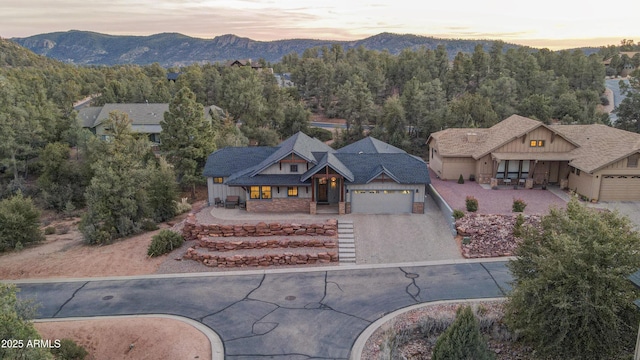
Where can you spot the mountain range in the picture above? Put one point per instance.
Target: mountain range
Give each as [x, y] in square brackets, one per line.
[173, 49]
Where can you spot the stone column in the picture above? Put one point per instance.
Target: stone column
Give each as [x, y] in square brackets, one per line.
[341, 208]
[312, 208]
[528, 183]
[564, 183]
[494, 183]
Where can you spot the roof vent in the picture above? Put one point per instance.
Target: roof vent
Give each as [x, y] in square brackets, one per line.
[472, 137]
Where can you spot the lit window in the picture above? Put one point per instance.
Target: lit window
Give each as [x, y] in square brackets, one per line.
[293, 168]
[292, 191]
[254, 192]
[536, 143]
[265, 192]
[540, 143]
[217, 180]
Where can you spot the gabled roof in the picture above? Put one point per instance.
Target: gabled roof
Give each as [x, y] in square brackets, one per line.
[332, 161]
[370, 145]
[402, 168]
[88, 115]
[229, 160]
[299, 144]
[379, 170]
[600, 145]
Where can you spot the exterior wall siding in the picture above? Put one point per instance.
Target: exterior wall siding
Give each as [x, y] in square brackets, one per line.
[583, 184]
[452, 167]
[304, 192]
[435, 163]
[279, 205]
[484, 169]
[558, 145]
[222, 191]
[284, 168]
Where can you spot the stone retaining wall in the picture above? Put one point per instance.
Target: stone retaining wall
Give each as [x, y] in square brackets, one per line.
[222, 245]
[262, 260]
[279, 205]
[194, 231]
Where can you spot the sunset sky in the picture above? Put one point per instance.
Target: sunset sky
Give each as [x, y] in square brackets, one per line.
[544, 23]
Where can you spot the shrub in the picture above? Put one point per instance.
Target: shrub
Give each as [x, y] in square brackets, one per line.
[64, 229]
[462, 340]
[517, 226]
[19, 222]
[49, 230]
[321, 134]
[458, 214]
[69, 350]
[164, 242]
[472, 204]
[460, 179]
[518, 205]
[183, 206]
[148, 225]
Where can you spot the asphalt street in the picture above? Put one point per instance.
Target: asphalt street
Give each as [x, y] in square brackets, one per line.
[303, 315]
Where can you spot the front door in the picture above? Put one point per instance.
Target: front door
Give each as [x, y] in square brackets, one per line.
[322, 191]
[553, 172]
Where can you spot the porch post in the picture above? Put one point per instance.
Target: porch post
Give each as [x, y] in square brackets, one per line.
[313, 192]
[341, 190]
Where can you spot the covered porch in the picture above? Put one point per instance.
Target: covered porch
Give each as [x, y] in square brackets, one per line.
[530, 169]
[327, 192]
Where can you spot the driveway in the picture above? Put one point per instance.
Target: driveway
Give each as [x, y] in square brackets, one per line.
[631, 209]
[404, 238]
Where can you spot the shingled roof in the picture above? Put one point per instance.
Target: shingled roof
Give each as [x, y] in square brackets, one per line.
[139, 114]
[370, 145]
[597, 145]
[229, 160]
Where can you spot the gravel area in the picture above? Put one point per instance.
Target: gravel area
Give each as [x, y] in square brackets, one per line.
[496, 201]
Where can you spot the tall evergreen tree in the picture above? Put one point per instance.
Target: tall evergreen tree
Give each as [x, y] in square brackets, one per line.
[462, 340]
[187, 137]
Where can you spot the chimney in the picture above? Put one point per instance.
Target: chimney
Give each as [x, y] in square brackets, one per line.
[472, 137]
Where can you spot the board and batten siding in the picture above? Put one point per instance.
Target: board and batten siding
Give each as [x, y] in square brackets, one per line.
[619, 180]
[222, 191]
[484, 168]
[283, 168]
[557, 145]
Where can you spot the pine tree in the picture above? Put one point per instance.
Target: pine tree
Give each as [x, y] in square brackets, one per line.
[187, 138]
[462, 340]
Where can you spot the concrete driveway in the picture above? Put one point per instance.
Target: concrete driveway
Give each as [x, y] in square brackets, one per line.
[404, 238]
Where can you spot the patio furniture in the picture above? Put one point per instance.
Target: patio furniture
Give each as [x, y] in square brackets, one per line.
[231, 202]
[507, 181]
[521, 182]
[243, 204]
[217, 202]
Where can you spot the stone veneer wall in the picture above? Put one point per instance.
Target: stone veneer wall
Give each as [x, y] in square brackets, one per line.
[263, 260]
[279, 205]
[221, 245]
[418, 208]
[194, 231]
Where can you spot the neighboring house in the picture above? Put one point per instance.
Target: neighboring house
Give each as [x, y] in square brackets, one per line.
[248, 62]
[628, 66]
[145, 118]
[284, 80]
[368, 176]
[597, 161]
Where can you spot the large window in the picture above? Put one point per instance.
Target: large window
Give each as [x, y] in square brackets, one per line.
[293, 168]
[292, 191]
[513, 169]
[260, 192]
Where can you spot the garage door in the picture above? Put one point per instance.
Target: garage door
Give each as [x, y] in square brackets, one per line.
[381, 201]
[620, 188]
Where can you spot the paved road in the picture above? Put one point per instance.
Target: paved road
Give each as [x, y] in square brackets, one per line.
[305, 315]
[614, 85]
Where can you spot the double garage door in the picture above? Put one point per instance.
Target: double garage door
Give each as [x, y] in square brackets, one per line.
[381, 201]
[620, 188]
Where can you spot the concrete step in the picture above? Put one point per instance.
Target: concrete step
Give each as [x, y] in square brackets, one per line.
[345, 226]
[346, 236]
[346, 246]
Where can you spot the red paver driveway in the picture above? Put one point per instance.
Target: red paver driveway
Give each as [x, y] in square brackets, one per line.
[495, 201]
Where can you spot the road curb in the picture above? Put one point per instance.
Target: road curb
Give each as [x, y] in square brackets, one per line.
[217, 347]
[384, 322]
[262, 272]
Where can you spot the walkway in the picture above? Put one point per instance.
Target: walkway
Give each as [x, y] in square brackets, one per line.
[269, 314]
[496, 201]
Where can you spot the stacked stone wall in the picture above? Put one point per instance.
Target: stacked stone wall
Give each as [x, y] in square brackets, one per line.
[194, 231]
[262, 260]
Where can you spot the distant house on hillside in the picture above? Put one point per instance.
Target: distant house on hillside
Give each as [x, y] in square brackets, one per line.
[247, 62]
[145, 118]
[628, 66]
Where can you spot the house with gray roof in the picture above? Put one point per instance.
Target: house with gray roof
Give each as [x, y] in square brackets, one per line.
[303, 174]
[597, 161]
[145, 118]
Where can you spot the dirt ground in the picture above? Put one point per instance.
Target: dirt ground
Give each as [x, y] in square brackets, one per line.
[139, 338]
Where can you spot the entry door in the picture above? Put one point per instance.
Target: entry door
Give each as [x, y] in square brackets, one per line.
[322, 191]
[554, 171]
